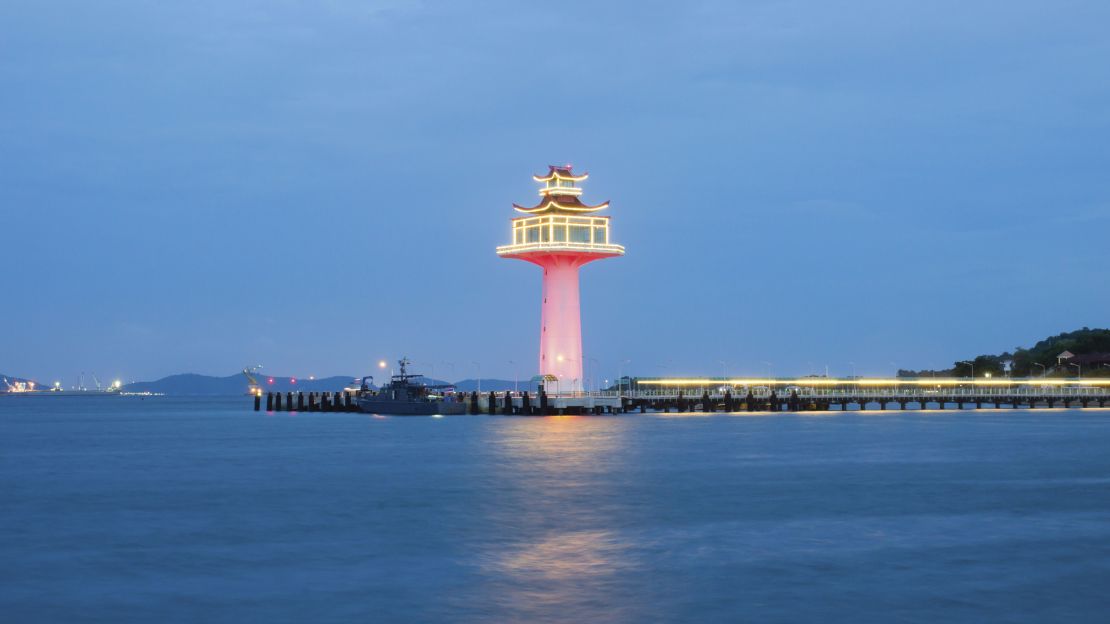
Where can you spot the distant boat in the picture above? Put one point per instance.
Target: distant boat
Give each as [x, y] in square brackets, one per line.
[407, 395]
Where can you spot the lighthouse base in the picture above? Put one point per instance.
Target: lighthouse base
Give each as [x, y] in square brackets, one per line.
[561, 316]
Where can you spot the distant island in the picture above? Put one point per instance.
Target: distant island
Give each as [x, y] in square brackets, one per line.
[1084, 352]
[190, 384]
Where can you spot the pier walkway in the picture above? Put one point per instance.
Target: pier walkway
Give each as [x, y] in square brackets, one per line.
[822, 394]
[752, 395]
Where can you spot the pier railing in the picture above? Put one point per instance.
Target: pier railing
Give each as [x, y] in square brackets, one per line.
[716, 392]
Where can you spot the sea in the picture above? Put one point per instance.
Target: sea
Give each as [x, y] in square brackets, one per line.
[160, 509]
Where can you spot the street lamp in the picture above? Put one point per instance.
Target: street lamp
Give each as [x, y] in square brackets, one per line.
[853, 365]
[478, 366]
[769, 365]
[972, 365]
[1044, 369]
[1078, 367]
[620, 376]
[516, 376]
[724, 370]
[593, 373]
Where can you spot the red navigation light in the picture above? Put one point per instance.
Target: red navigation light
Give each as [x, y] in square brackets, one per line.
[292, 380]
[271, 380]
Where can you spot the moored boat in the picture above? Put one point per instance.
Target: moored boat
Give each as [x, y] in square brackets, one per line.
[407, 395]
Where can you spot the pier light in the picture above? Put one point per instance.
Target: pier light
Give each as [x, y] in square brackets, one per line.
[873, 382]
[381, 364]
[561, 235]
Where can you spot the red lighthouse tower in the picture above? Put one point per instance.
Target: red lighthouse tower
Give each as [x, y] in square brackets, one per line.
[561, 234]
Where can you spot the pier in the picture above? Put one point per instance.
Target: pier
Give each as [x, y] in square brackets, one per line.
[493, 403]
[825, 394]
[753, 395]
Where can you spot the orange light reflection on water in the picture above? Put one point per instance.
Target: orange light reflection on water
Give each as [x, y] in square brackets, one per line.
[568, 549]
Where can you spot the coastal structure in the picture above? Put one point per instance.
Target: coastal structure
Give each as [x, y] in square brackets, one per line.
[560, 234]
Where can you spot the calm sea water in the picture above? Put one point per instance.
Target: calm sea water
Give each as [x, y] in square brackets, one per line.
[119, 509]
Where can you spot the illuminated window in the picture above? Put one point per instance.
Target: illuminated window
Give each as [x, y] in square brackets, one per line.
[519, 235]
[599, 236]
[561, 233]
[533, 235]
[579, 234]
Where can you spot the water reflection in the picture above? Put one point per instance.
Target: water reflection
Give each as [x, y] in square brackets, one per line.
[562, 548]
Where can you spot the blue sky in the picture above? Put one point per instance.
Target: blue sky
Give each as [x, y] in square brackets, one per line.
[317, 186]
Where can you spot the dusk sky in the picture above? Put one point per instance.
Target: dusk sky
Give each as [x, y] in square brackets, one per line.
[201, 186]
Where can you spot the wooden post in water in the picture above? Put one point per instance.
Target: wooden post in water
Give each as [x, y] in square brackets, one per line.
[269, 401]
[257, 401]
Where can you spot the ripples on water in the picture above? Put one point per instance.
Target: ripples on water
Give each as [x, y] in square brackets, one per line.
[119, 509]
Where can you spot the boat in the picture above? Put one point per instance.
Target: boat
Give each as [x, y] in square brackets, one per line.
[407, 395]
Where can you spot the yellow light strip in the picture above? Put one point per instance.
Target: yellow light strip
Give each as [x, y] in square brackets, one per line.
[560, 190]
[549, 204]
[825, 381]
[560, 246]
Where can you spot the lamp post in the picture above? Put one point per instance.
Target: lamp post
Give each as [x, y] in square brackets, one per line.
[1044, 369]
[769, 365]
[620, 376]
[1078, 367]
[724, 370]
[478, 366]
[452, 365]
[972, 365]
[593, 373]
[853, 365]
[516, 376]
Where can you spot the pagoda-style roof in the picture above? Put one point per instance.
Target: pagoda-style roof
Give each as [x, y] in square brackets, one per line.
[560, 193]
[561, 172]
[556, 203]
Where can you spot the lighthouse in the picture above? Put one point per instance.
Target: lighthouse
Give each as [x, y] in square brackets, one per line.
[560, 234]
